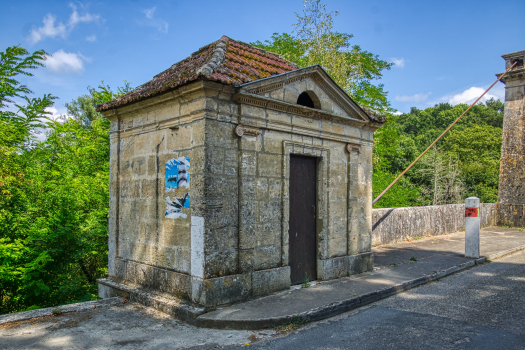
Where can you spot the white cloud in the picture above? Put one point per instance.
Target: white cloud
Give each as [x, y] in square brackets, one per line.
[413, 98]
[91, 38]
[66, 62]
[397, 113]
[53, 29]
[74, 18]
[160, 24]
[54, 113]
[471, 94]
[149, 13]
[49, 29]
[398, 62]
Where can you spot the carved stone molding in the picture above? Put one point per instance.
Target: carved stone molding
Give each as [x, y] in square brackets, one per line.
[282, 106]
[353, 147]
[241, 130]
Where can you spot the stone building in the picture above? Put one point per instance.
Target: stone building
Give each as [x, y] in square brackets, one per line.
[511, 193]
[235, 174]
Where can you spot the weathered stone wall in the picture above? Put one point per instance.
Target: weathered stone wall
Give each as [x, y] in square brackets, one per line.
[391, 225]
[144, 247]
[231, 242]
[511, 193]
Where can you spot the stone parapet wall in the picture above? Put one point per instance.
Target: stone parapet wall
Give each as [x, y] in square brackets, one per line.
[392, 225]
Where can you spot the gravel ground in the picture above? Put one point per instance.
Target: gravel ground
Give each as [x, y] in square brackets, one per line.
[125, 326]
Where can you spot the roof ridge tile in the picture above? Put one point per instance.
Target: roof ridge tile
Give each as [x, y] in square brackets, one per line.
[216, 59]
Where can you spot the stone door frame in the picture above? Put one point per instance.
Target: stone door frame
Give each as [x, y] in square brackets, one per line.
[323, 167]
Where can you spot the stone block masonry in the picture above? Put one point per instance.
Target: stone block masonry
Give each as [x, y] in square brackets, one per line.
[200, 188]
[511, 192]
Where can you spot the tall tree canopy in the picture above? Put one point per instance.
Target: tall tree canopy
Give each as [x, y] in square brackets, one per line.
[464, 163]
[315, 42]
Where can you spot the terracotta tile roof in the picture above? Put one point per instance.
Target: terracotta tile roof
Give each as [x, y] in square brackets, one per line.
[226, 60]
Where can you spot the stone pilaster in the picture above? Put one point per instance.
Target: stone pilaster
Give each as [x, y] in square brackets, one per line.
[511, 198]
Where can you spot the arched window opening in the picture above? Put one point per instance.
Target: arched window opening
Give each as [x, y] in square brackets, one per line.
[309, 99]
[305, 100]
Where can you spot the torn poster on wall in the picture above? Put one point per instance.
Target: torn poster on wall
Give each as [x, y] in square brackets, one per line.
[174, 207]
[177, 174]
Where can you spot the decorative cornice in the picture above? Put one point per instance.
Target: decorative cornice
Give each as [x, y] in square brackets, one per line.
[275, 86]
[321, 78]
[512, 75]
[286, 107]
[266, 88]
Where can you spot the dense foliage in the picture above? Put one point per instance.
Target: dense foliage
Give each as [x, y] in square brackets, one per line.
[54, 203]
[464, 163]
[315, 42]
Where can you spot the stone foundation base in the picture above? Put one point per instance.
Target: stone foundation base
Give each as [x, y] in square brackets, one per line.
[207, 294]
[163, 302]
[330, 269]
[510, 215]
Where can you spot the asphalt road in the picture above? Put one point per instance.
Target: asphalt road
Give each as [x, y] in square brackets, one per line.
[480, 308]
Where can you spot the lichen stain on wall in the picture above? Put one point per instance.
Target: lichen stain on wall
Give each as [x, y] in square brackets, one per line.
[177, 176]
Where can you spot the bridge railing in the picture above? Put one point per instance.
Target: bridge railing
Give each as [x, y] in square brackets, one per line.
[390, 225]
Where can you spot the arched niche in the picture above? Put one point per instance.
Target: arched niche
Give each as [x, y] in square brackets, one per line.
[309, 99]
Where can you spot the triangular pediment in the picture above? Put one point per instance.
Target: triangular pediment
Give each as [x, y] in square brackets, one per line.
[327, 96]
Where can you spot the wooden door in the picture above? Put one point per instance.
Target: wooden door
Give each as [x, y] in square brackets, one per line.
[303, 211]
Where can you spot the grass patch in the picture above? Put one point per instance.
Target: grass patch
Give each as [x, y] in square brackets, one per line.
[296, 323]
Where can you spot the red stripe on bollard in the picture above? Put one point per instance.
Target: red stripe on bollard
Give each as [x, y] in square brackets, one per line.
[471, 212]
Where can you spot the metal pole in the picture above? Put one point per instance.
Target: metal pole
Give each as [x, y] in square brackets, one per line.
[440, 136]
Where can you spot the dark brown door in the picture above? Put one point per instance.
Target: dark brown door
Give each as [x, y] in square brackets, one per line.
[303, 211]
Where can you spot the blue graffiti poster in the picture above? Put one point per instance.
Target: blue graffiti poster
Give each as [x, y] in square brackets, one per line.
[174, 206]
[177, 173]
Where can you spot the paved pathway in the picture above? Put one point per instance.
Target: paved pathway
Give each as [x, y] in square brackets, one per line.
[480, 308]
[115, 324]
[398, 267]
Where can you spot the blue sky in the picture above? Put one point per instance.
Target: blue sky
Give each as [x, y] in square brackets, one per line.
[445, 51]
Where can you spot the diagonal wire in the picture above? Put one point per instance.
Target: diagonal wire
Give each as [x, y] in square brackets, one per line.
[440, 136]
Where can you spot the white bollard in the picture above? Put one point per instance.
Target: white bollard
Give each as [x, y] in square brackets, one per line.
[472, 222]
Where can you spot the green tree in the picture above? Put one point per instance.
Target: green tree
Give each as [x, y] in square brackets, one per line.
[84, 108]
[315, 42]
[54, 203]
[464, 163]
[478, 149]
[392, 153]
[20, 115]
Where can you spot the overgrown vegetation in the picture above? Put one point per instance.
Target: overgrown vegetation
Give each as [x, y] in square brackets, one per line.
[54, 202]
[464, 163]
